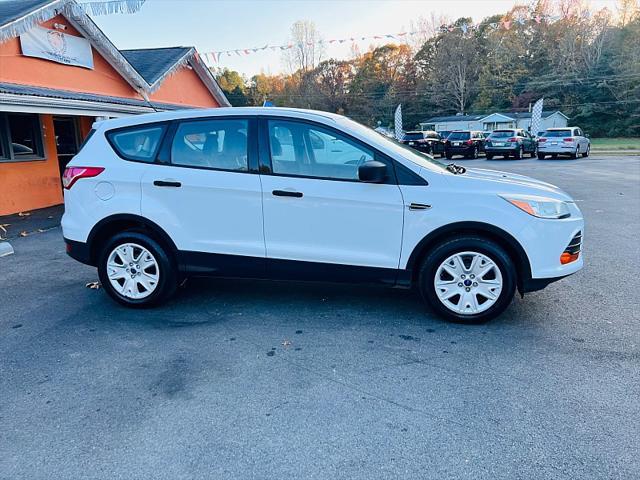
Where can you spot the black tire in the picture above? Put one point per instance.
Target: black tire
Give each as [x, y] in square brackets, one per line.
[541, 156]
[441, 252]
[586, 152]
[168, 277]
[449, 156]
[574, 155]
[489, 156]
[519, 153]
[534, 152]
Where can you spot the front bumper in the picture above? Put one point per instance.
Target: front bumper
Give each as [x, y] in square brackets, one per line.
[545, 241]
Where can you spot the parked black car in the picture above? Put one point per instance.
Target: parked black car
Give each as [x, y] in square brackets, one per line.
[425, 141]
[510, 142]
[468, 143]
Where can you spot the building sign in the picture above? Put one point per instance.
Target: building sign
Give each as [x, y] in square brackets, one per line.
[56, 46]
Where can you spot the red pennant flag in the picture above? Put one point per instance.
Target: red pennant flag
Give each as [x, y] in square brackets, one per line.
[507, 24]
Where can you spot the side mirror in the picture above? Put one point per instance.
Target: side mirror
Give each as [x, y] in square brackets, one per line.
[587, 135]
[372, 172]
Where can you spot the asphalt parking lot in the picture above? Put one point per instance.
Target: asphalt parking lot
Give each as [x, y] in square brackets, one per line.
[247, 379]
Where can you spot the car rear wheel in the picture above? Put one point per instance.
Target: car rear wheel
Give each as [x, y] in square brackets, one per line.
[574, 155]
[489, 156]
[541, 156]
[587, 151]
[468, 280]
[519, 153]
[449, 156]
[136, 271]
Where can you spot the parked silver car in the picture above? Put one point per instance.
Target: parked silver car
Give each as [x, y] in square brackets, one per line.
[569, 141]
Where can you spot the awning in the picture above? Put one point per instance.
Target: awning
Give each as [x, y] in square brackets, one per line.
[31, 99]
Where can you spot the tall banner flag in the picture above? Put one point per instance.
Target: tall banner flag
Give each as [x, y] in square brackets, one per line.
[398, 123]
[536, 117]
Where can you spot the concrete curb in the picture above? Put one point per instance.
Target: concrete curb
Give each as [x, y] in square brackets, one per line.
[5, 249]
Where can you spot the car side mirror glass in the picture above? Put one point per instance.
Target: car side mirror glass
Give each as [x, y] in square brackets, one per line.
[372, 171]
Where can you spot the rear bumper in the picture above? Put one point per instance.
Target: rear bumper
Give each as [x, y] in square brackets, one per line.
[567, 149]
[500, 150]
[466, 150]
[79, 251]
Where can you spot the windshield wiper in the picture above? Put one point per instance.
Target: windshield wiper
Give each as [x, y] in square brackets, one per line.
[453, 168]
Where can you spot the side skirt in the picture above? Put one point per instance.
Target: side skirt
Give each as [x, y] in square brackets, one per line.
[237, 266]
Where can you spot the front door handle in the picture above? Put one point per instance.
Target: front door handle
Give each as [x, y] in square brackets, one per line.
[419, 206]
[287, 193]
[167, 183]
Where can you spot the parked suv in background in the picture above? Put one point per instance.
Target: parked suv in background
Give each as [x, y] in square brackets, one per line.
[425, 141]
[569, 141]
[467, 143]
[302, 195]
[514, 143]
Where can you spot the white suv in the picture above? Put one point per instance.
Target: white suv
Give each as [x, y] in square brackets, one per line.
[569, 141]
[294, 194]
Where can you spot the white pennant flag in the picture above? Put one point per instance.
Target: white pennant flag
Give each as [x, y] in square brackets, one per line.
[536, 117]
[398, 123]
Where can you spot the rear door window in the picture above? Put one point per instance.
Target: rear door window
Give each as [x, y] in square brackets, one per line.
[219, 144]
[138, 143]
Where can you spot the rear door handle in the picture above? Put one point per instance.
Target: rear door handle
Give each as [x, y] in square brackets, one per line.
[287, 193]
[167, 183]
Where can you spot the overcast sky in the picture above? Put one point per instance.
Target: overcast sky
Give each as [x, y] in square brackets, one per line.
[211, 25]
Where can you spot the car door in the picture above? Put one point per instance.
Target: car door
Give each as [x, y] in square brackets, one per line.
[315, 208]
[205, 192]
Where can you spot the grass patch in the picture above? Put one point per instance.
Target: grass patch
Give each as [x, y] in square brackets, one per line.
[628, 143]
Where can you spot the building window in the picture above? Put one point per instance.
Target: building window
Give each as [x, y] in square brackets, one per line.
[20, 137]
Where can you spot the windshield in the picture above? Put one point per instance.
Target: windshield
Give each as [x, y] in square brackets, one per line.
[392, 144]
[557, 133]
[503, 133]
[413, 136]
[459, 136]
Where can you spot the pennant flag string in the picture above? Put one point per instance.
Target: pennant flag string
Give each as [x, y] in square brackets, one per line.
[507, 23]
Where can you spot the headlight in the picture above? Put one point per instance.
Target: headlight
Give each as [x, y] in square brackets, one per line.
[541, 207]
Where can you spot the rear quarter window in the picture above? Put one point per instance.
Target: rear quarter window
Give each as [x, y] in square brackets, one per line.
[140, 143]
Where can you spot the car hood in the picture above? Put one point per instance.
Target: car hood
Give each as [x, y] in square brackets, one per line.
[504, 182]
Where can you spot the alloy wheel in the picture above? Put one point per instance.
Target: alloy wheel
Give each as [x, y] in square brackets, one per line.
[468, 283]
[133, 271]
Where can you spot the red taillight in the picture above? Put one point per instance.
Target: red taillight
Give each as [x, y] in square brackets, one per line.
[469, 142]
[73, 174]
[567, 139]
[542, 140]
[512, 139]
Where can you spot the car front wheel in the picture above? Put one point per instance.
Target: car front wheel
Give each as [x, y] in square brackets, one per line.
[136, 271]
[468, 280]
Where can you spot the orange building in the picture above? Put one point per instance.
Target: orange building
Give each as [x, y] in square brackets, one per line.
[58, 74]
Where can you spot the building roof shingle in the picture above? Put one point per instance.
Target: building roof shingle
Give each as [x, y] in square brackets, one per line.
[475, 118]
[153, 63]
[11, 10]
